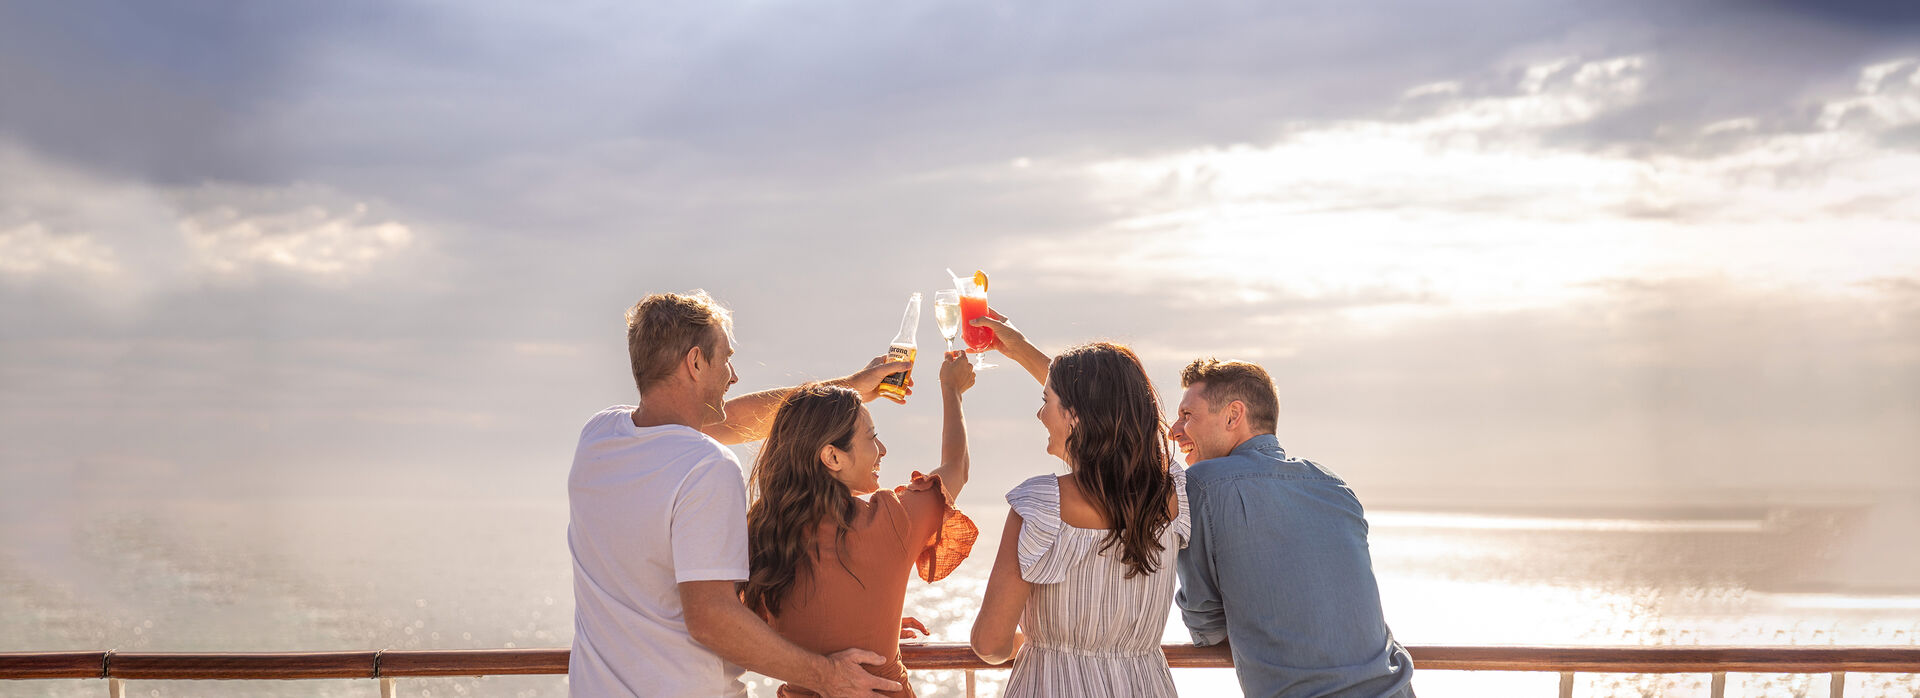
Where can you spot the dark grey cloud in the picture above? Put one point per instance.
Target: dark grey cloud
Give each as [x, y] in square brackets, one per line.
[1885, 16]
[400, 98]
[168, 92]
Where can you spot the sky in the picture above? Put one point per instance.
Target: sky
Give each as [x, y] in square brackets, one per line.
[1495, 254]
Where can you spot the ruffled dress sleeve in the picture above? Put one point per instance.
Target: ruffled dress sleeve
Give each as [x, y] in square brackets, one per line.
[1182, 523]
[1047, 551]
[937, 534]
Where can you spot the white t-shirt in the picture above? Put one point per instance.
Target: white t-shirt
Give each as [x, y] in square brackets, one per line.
[650, 508]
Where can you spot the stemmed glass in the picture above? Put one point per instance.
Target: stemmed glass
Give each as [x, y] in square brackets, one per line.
[973, 304]
[946, 311]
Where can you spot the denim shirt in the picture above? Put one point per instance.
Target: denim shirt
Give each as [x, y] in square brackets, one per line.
[1278, 562]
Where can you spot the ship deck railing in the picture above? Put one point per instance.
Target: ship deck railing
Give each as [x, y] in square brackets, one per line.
[389, 667]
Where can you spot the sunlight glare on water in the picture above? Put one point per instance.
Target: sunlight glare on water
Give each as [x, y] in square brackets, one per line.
[328, 575]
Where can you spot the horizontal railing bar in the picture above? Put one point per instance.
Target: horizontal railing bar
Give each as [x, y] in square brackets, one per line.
[53, 665]
[936, 656]
[1670, 660]
[242, 665]
[472, 662]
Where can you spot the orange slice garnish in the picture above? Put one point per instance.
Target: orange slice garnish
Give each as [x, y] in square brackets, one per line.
[980, 279]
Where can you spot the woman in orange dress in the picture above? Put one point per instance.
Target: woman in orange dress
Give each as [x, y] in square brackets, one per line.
[828, 565]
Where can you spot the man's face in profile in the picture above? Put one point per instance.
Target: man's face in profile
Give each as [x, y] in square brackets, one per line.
[1199, 430]
[719, 377]
[1182, 421]
[1181, 443]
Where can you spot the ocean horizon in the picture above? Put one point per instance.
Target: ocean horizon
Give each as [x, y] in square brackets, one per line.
[345, 574]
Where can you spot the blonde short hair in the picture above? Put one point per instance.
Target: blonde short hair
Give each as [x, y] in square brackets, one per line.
[663, 326]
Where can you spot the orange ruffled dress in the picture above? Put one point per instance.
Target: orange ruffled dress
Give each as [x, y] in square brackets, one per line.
[856, 601]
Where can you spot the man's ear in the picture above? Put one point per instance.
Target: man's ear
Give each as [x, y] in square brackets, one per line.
[694, 362]
[1236, 414]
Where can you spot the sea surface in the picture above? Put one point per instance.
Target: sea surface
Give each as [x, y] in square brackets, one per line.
[287, 575]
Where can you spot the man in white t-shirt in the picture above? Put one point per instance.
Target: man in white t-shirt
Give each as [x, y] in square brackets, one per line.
[659, 524]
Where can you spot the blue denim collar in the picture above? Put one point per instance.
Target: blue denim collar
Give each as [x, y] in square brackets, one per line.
[1266, 443]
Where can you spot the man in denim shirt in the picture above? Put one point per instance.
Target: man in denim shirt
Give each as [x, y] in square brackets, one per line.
[1277, 567]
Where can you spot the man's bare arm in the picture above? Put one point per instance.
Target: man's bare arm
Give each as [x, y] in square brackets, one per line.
[719, 621]
[750, 416]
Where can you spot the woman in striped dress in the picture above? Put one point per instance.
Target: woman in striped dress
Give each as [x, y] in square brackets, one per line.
[1080, 591]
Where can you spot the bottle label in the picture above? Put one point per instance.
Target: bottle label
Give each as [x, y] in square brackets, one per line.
[898, 353]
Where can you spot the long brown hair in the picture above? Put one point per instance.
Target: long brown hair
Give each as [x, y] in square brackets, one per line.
[793, 492]
[1118, 447]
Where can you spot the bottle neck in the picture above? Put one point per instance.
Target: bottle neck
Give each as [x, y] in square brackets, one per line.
[908, 323]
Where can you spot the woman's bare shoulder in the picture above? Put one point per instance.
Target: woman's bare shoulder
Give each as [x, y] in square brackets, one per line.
[1076, 509]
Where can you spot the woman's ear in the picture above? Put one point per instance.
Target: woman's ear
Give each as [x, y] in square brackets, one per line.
[833, 457]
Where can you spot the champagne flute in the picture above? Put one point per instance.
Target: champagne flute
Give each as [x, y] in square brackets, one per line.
[946, 311]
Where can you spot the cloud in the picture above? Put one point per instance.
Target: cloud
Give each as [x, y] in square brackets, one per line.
[311, 239]
[28, 250]
[62, 224]
[193, 91]
[1877, 14]
[1888, 97]
[1468, 200]
[121, 235]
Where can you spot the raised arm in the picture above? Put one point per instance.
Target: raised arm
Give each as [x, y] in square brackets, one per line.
[750, 416]
[719, 621]
[1014, 345]
[956, 376]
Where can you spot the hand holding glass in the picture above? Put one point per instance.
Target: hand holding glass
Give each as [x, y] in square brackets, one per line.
[973, 304]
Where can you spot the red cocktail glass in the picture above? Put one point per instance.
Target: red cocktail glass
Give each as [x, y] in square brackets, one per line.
[973, 304]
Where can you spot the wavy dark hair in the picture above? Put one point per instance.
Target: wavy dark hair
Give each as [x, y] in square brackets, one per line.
[793, 492]
[1118, 447]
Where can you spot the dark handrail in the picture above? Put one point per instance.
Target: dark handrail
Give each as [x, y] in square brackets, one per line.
[929, 656]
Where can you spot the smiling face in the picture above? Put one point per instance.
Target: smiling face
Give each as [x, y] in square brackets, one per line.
[1200, 429]
[1177, 432]
[858, 466]
[1058, 421]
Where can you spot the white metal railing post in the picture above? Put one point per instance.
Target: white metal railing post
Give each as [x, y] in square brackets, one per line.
[116, 689]
[1839, 685]
[970, 693]
[1566, 684]
[1718, 689]
[388, 689]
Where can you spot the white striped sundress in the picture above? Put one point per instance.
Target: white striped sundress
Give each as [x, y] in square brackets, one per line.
[1090, 630]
